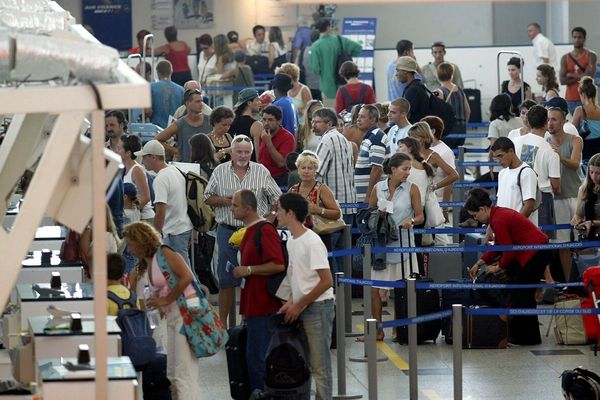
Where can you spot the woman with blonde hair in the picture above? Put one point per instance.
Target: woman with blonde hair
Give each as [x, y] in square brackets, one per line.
[162, 265]
[422, 132]
[299, 93]
[306, 139]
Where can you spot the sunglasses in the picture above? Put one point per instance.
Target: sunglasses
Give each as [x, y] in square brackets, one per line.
[242, 138]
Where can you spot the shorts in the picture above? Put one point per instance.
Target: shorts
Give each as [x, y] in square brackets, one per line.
[546, 214]
[564, 211]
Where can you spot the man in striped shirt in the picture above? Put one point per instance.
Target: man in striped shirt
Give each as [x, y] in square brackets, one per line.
[373, 150]
[237, 174]
[336, 168]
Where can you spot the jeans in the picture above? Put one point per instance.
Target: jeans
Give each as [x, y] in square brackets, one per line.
[181, 244]
[317, 321]
[573, 104]
[226, 253]
[258, 339]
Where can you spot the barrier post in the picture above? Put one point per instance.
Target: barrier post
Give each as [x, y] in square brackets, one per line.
[347, 299]
[341, 344]
[367, 314]
[458, 194]
[457, 350]
[371, 342]
[411, 298]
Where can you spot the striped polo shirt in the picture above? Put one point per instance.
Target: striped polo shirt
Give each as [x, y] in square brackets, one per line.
[373, 150]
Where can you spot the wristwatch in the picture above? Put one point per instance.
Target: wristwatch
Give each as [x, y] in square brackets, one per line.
[322, 211]
[412, 221]
[249, 270]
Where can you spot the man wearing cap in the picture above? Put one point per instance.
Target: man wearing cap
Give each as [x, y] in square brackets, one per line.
[414, 91]
[170, 201]
[245, 123]
[276, 143]
[185, 127]
[228, 178]
[182, 111]
[282, 83]
[396, 88]
[324, 55]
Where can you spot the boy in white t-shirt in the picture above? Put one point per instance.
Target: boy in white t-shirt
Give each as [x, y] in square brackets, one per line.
[312, 298]
[521, 197]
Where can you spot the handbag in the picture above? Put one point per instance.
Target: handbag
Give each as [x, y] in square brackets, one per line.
[584, 127]
[202, 327]
[323, 226]
[433, 212]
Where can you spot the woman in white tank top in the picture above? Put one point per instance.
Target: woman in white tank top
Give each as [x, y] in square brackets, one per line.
[135, 173]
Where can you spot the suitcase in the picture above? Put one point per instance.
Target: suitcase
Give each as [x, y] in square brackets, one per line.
[485, 331]
[591, 283]
[155, 384]
[235, 350]
[474, 99]
[428, 301]
[203, 255]
[258, 64]
[466, 297]
[469, 259]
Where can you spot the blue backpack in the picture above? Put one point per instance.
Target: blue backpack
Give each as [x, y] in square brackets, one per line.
[136, 335]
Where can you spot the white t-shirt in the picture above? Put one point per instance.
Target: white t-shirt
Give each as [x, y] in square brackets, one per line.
[307, 254]
[206, 67]
[448, 156]
[500, 128]
[537, 152]
[395, 134]
[169, 188]
[515, 133]
[509, 195]
[544, 48]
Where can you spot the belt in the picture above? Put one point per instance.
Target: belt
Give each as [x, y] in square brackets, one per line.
[230, 227]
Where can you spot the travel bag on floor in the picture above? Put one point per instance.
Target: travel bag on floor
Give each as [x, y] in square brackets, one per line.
[485, 331]
[428, 301]
[466, 297]
[155, 384]
[239, 382]
[568, 329]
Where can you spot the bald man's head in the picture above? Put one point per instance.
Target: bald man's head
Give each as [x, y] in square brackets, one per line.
[192, 85]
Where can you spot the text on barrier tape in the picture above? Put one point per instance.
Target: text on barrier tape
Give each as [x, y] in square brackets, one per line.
[414, 320]
[443, 286]
[370, 282]
[462, 185]
[531, 311]
[477, 164]
[553, 227]
[354, 205]
[482, 135]
[477, 249]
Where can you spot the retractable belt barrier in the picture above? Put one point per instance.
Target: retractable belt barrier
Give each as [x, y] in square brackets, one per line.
[466, 136]
[496, 248]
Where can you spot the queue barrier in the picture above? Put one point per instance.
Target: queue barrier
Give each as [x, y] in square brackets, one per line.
[485, 150]
[475, 125]
[495, 248]
[465, 136]
[477, 164]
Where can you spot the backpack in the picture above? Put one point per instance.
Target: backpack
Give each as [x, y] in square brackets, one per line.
[287, 369]
[200, 213]
[351, 103]
[580, 384]
[136, 335]
[442, 109]
[342, 57]
[274, 282]
[538, 193]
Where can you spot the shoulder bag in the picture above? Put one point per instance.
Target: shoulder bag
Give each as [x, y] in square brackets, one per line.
[322, 225]
[433, 212]
[202, 327]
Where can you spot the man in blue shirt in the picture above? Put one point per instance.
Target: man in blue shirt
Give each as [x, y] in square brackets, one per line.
[395, 87]
[301, 38]
[281, 84]
[167, 96]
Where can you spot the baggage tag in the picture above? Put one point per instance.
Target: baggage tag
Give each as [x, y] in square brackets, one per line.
[385, 205]
[229, 268]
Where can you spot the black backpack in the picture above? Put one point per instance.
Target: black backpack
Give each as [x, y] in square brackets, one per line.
[442, 109]
[287, 368]
[136, 335]
[342, 57]
[351, 103]
[580, 384]
[275, 280]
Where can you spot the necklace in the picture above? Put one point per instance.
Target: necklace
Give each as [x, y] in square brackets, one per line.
[220, 140]
[306, 196]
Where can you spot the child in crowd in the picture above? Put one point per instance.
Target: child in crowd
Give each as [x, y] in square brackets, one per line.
[117, 292]
[131, 209]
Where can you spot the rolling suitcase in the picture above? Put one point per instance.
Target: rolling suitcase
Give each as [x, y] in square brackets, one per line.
[474, 99]
[203, 255]
[428, 301]
[466, 297]
[485, 331]
[155, 384]
[239, 382]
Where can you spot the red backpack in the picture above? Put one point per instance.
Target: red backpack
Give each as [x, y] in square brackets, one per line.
[591, 322]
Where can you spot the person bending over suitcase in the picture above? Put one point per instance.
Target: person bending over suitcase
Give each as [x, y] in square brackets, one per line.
[512, 228]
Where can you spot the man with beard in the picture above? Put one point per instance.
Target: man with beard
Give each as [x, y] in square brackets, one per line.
[115, 125]
[228, 178]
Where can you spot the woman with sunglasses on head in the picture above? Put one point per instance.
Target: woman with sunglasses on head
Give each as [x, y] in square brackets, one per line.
[521, 267]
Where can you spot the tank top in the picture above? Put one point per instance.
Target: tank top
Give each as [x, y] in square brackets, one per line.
[515, 97]
[147, 212]
[583, 60]
[162, 286]
[569, 179]
[217, 148]
[311, 198]
[299, 103]
[179, 59]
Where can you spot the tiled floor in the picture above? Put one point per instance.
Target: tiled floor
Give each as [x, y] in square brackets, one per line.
[515, 373]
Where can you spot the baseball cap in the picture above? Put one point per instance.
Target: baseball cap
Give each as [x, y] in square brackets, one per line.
[246, 95]
[129, 189]
[153, 147]
[406, 63]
